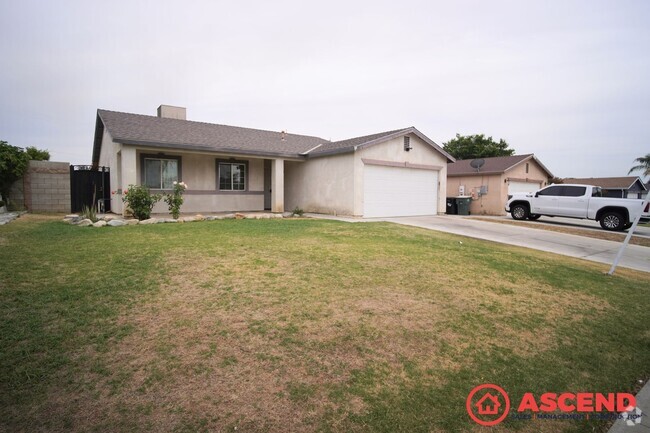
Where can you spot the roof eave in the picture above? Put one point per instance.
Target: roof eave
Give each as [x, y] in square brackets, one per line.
[194, 147]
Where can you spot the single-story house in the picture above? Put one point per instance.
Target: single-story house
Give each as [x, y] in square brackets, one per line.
[618, 187]
[227, 168]
[491, 183]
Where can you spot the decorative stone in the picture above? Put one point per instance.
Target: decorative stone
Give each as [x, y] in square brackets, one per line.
[229, 216]
[276, 215]
[116, 223]
[99, 223]
[199, 217]
[167, 220]
[84, 223]
[71, 216]
[108, 218]
[240, 216]
[149, 221]
[131, 222]
[187, 219]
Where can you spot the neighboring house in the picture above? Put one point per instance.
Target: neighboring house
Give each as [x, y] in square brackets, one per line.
[490, 185]
[618, 187]
[227, 168]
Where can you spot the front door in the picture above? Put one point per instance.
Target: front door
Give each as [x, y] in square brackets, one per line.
[267, 184]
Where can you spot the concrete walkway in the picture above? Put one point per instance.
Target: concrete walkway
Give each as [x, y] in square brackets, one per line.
[597, 250]
[637, 425]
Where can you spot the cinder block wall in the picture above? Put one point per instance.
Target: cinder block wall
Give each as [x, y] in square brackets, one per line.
[47, 186]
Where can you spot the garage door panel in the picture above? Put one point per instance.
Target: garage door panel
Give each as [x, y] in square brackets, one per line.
[525, 187]
[396, 191]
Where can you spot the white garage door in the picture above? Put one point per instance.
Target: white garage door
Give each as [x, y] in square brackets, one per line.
[514, 187]
[397, 191]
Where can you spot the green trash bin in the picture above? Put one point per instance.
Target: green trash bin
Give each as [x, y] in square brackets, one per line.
[463, 205]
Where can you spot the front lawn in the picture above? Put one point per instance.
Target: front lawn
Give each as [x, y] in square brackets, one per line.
[299, 325]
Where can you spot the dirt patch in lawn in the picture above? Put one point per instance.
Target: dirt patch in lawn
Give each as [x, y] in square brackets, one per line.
[608, 236]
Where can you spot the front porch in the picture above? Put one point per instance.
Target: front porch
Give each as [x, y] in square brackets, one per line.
[217, 183]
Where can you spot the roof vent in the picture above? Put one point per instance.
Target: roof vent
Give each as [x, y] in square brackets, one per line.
[171, 112]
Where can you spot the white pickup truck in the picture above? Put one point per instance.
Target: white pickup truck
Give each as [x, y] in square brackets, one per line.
[577, 201]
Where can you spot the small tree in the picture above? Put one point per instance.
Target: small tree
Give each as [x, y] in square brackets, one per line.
[13, 163]
[644, 165]
[476, 146]
[34, 154]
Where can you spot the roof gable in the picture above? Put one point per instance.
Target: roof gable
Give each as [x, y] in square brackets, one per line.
[622, 182]
[494, 165]
[352, 144]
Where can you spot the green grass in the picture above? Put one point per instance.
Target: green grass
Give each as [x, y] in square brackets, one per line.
[299, 325]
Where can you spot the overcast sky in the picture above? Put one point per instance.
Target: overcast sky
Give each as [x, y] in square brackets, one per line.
[566, 80]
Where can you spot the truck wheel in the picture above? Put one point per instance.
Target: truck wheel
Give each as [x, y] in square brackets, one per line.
[519, 212]
[534, 217]
[612, 221]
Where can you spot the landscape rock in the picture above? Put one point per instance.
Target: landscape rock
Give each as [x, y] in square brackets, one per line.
[199, 217]
[239, 216]
[100, 223]
[187, 219]
[84, 223]
[229, 216]
[116, 223]
[149, 221]
[131, 222]
[108, 218]
[167, 220]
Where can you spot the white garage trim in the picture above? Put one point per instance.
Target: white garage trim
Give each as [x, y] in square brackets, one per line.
[367, 161]
[516, 186]
[399, 191]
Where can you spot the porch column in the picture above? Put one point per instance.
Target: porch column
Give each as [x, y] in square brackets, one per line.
[277, 185]
[128, 170]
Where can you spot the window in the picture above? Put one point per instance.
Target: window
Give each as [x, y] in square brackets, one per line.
[574, 191]
[526, 167]
[407, 143]
[232, 176]
[551, 190]
[160, 172]
[596, 192]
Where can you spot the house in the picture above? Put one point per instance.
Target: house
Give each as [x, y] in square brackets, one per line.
[498, 177]
[488, 405]
[618, 187]
[228, 168]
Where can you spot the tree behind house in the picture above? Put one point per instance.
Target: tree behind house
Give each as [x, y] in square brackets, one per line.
[13, 163]
[476, 146]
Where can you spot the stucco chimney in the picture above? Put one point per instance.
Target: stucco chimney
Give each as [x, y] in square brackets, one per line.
[171, 112]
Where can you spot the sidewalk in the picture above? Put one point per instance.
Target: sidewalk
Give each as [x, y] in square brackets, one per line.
[643, 403]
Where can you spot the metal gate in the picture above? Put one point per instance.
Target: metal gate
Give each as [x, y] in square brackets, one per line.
[90, 187]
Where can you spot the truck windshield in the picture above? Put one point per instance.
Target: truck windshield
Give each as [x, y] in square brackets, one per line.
[597, 192]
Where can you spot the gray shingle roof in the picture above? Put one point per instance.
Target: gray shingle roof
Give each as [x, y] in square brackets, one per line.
[184, 134]
[138, 129]
[494, 165]
[623, 182]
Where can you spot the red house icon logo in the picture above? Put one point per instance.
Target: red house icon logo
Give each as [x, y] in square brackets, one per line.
[488, 405]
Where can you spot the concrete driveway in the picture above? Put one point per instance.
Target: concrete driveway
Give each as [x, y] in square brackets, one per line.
[597, 250]
[573, 223]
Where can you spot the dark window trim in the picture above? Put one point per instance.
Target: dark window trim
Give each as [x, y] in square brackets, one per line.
[144, 156]
[232, 161]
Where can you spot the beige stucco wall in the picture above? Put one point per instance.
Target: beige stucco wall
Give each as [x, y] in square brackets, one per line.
[494, 201]
[322, 185]
[488, 204]
[393, 151]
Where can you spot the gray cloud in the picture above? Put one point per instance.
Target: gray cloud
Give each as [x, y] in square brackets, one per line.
[564, 80]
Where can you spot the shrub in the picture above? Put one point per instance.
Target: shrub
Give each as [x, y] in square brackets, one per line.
[140, 200]
[89, 213]
[297, 212]
[175, 199]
